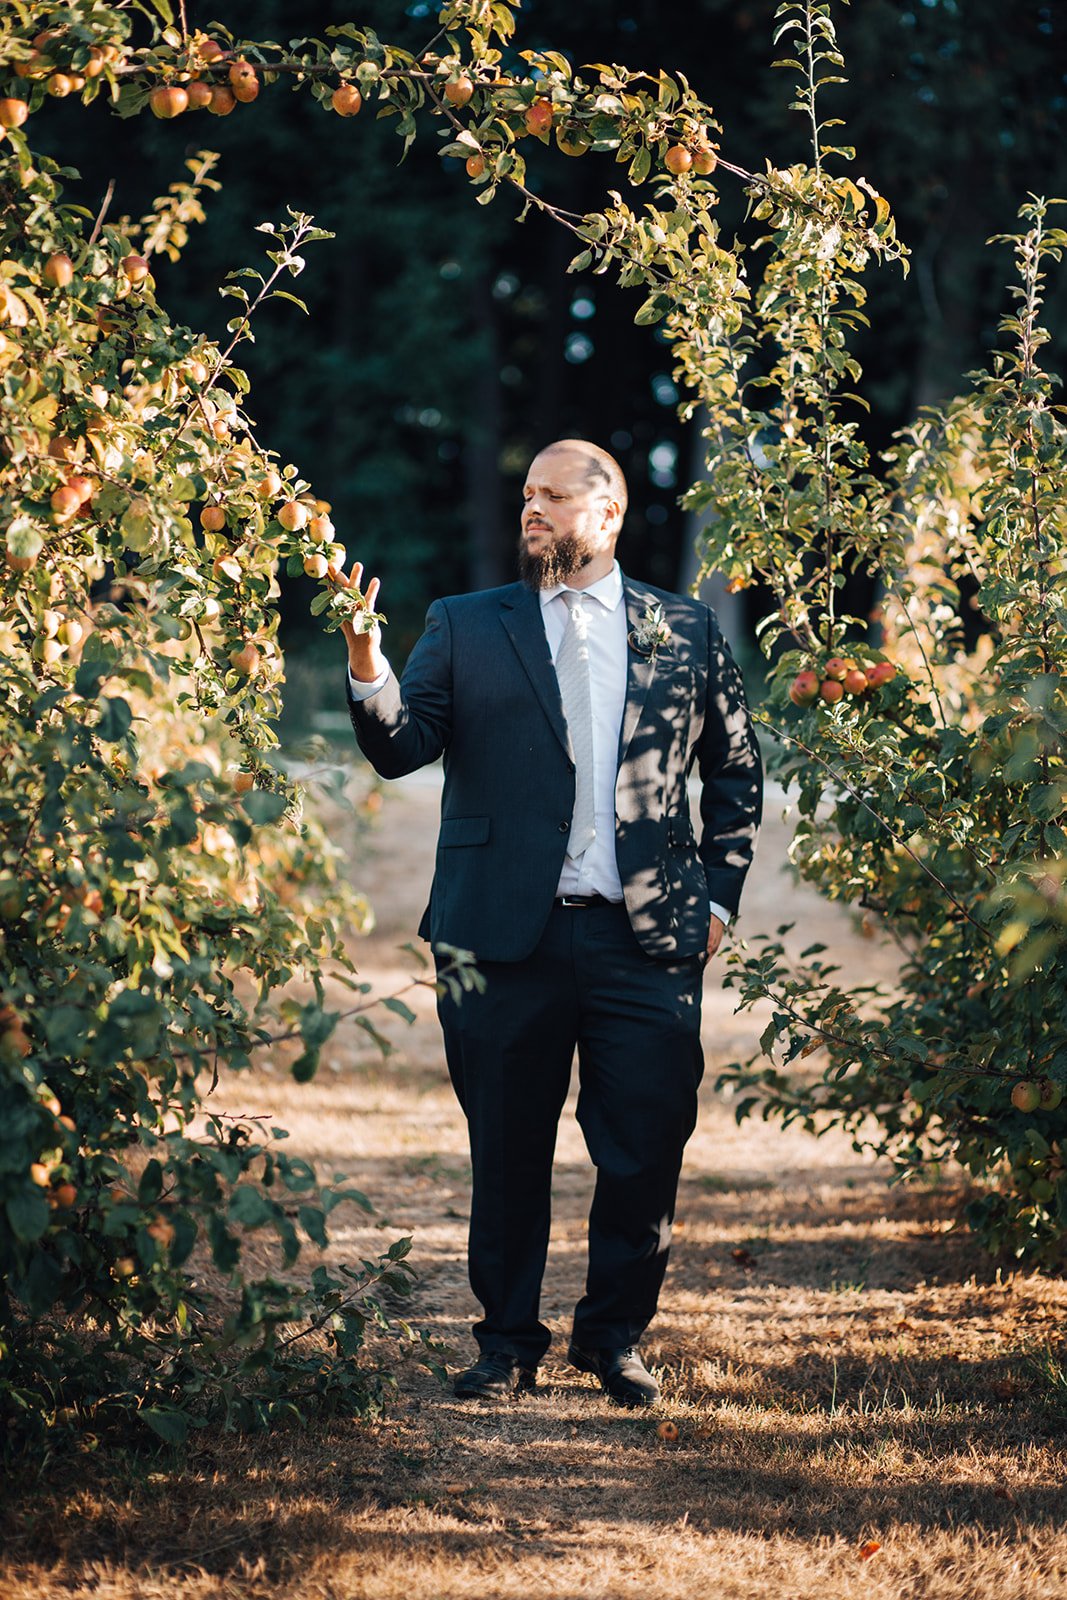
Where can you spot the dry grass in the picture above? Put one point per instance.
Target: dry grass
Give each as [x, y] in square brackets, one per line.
[858, 1373]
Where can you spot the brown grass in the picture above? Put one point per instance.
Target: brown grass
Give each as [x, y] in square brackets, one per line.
[860, 1374]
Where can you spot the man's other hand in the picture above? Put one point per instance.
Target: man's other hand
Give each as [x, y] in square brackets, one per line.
[715, 933]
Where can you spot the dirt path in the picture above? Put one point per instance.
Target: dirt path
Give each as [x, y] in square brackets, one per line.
[839, 1367]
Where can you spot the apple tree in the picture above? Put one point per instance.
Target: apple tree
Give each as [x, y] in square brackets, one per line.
[160, 883]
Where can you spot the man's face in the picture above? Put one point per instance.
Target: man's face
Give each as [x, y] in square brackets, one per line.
[565, 518]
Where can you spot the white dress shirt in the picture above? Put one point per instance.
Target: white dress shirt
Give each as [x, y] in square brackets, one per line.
[595, 871]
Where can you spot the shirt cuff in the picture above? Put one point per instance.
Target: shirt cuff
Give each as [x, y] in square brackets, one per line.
[720, 912]
[363, 691]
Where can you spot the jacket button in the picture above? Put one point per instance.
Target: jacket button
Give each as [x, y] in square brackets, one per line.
[564, 827]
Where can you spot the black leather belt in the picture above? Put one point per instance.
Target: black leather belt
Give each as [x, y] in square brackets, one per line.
[582, 900]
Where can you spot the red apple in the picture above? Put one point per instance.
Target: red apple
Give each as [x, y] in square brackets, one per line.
[168, 101]
[804, 688]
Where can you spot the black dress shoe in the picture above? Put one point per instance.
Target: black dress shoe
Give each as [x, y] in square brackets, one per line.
[494, 1375]
[622, 1373]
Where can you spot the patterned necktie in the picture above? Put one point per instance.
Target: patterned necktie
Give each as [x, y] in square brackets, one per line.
[572, 670]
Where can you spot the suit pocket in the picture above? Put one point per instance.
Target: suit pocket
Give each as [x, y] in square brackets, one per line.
[463, 831]
[680, 833]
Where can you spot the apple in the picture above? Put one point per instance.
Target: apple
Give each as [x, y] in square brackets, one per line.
[13, 113]
[269, 486]
[60, 84]
[65, 1195]
[836, 668]
[211, 50]
[315, 566]
[213, 518]
[136, 268]
[161, 1231]
[245, 659]
[677, 159]
[1051, 1094]
[293, 516]
[1026, 1095]
[58, 270]
[71, 633]
[320, 529]
[855, 680]
[475, 166]
[346, 100]
[222, 100]
[95, 64]
[82, 486]
[240, 72]
[199, 94]
[65, 501]
[227, 566]
[210, 609]
[21, 560]
[243, 781]
[244, 81]
[337, 555]
[106, 320]
[881, 672]
[36, 65]
[831, 691]
[50, 623]
[538, 117]
[804, 688]
[196, 372]
[459, 91]
[573, 141]
[168, 101]
[39, 1174]
[704, 160]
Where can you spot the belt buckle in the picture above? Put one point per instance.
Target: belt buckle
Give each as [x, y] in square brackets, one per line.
[573, 899]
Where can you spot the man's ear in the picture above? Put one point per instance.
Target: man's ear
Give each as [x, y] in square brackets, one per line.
[612, 514]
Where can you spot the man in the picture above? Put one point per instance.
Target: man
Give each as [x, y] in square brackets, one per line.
[569, 708]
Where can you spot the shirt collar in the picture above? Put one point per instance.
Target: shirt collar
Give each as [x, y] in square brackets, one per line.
[608, 589]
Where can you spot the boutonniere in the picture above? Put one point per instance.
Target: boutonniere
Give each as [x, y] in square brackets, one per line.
[653, 632]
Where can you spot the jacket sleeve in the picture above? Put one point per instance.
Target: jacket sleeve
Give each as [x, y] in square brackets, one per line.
[731, 771]
[407, 723]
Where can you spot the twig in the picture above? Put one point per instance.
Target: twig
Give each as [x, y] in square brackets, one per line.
[101, 214]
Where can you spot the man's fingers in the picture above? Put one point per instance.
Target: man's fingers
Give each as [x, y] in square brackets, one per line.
[371, 594]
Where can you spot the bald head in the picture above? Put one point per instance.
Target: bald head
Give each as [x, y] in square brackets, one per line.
[573, 499]
[600, 473]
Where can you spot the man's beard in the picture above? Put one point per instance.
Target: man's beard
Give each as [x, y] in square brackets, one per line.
[554, 564]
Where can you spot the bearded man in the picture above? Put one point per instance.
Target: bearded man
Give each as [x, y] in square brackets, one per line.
[570, 708]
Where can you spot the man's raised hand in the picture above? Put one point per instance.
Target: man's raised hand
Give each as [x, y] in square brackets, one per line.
[365, 658]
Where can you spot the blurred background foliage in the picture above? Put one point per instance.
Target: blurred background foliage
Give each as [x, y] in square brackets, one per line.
[446, 344]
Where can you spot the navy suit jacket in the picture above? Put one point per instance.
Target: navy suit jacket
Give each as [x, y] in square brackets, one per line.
[480, 688]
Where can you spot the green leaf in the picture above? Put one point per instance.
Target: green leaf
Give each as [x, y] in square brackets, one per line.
[654, 309]
[115, 721]
[263, 805]
[313, 1222]
[151, 1185]
[28, 1215]
[171, 1426]
[283, 294]
[249, 1207]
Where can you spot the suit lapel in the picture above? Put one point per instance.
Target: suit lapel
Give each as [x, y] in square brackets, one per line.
[640, 669]
[520, 612]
